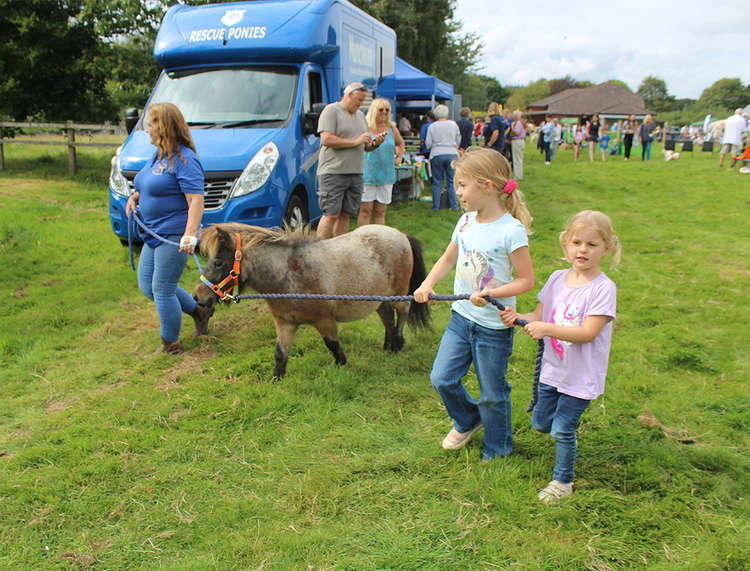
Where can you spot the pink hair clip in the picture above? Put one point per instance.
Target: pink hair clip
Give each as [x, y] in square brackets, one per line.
[510, 186]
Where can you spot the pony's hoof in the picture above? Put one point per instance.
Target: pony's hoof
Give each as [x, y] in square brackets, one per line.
[396, 345]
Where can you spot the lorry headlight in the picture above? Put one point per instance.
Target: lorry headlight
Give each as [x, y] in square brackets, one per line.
[257, 171]
[117, 181]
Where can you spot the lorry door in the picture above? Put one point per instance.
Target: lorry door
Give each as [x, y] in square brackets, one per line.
[313, 92]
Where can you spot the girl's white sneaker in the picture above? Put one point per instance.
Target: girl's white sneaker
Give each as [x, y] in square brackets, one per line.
[555, 491]
[455, 439]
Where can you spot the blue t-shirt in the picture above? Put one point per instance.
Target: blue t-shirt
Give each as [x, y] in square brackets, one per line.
[484, 261]
[380, 168]
[497, 124]
[162, 189]
[604, 142]
[466, 128]
[423, 135]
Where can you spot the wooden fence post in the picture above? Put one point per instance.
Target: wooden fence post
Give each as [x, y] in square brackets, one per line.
[71, 148]
[2, 157]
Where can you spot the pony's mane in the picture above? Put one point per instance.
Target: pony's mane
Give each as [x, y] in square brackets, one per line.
[253, 236]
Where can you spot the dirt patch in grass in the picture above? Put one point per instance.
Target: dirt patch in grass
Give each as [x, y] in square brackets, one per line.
[190, 362]
[80, 560]
[53, 406]
[648, 420]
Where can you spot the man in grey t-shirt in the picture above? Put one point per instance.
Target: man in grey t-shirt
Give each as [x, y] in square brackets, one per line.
[343, 135]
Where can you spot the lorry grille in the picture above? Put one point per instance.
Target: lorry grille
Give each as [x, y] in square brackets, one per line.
[216, 187]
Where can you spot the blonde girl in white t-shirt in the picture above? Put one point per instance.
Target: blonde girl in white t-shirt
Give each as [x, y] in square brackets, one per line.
[488, 245]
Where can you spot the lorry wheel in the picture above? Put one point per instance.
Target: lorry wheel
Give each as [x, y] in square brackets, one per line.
[296, 213]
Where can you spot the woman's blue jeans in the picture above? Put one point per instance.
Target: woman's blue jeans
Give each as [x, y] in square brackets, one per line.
[547, 148]
[443, 171]
[465, 341]
[646, 151]
[558, 415]
[159, 271]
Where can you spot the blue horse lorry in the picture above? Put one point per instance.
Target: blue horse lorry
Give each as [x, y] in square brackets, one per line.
[251, 79]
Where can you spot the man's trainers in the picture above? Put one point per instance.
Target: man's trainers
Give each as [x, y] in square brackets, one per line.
[555, 491]
[455, 439]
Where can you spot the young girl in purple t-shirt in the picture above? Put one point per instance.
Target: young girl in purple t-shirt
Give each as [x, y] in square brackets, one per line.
[574, 317]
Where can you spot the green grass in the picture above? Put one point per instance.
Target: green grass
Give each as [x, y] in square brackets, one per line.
[200, 461]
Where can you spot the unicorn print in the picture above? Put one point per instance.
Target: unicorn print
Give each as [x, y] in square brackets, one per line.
[476, 269]
[565, 314]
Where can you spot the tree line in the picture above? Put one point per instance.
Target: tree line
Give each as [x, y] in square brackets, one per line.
[89, 60]
[720, 99]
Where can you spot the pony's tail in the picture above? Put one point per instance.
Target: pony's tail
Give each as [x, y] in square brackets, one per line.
[419, 313]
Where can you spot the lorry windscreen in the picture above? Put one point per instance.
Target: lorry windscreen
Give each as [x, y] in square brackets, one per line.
[230, 97]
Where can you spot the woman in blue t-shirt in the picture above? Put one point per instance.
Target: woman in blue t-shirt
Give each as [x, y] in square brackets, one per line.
[169, 195]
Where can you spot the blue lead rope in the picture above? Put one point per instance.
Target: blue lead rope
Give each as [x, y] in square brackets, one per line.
[133, 219]
[396, 298]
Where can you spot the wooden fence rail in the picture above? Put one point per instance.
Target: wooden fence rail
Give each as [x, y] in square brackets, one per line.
[69, 129]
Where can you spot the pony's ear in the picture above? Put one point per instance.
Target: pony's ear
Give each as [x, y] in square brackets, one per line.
[223, 238]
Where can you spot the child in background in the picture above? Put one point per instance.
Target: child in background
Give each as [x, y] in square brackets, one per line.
[604, 143]
[574, 317]
[578, 135]
[488, 244]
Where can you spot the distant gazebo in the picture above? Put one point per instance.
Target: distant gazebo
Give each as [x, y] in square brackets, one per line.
[610, 101]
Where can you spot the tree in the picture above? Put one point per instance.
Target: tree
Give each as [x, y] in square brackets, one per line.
[428, 37]
[534, 91]
[619, 83]
[133, 71]
[655, 95]
[479, 91]
[567, 82]
[728, 93]
[51, 62]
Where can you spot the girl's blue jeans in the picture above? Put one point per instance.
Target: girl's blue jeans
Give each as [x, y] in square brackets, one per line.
[464, 342]
[558, 415]
[443, 171]
[159, 271]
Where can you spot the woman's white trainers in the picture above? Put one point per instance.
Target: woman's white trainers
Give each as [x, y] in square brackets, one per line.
[555, 491]
[455, 439]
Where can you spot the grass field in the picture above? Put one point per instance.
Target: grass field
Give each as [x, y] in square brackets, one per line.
[109, 461]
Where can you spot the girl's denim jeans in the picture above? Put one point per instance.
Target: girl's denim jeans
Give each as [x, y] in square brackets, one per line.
[464, 342]
[159, 271]
[558, 415]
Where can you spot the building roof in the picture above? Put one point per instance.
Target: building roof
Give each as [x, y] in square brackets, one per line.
[605, 98]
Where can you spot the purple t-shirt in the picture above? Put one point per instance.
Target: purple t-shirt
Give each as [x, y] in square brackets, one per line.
[577, 369]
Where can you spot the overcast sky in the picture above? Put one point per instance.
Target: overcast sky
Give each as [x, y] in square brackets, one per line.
[687, 43]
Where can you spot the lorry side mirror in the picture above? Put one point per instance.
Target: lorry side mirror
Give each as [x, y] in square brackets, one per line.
[131, 118]
[310, 120]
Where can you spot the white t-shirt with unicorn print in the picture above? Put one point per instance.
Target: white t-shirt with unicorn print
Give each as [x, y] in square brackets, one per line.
[484, 261]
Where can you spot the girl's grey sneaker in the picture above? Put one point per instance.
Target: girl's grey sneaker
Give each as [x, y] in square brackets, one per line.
[455, 439]
[555, 491]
